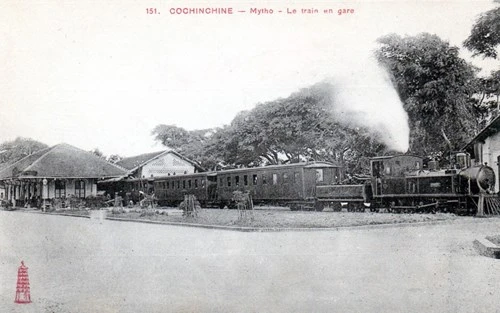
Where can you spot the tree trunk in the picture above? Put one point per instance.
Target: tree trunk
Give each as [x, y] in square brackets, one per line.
[448, 142]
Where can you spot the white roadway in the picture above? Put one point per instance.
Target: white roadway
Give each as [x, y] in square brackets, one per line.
[80, 265]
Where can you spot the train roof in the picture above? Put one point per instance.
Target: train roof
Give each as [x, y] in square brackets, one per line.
[320, 164]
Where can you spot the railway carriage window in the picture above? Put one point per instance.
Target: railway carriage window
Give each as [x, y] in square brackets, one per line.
[168, 185]
[417, 165]
[296, 176]
[285, 178]
[275, 179]
[202, 183]
[236, 181]
[229, 181]
[195, 183]
[245, 180]
[221, 182]
[255, 179]
[264, 179]
[319, 175]
[178, 184]
[183, 184]
[189, 184]
[388, 170]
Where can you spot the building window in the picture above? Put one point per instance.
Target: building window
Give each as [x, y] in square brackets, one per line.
[255, 179]
[236, 181]
[60, 188]
[229, 181]
[264, 179]
[183, 184]
[80, 188]
[195, 183]
[275, 179]
[245, 180]
[178, 184]
[168, 185]
[189, 184]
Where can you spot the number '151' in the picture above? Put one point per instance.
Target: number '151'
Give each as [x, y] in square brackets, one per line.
[152, 11]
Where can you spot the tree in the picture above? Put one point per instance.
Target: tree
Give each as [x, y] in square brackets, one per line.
[191, 144]
[485, 34]
[12, 151]
[114, 158]
[297, 128]
[98, 152]
[436, 86]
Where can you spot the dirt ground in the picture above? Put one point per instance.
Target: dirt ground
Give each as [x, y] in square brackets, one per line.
[82, 265]
[277, 218]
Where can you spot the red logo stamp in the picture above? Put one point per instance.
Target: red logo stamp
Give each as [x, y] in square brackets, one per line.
[23, 285]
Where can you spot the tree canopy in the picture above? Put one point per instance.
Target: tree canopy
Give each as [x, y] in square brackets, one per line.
[436, 87]
[485, 35]
[14, 150]
[297, 128]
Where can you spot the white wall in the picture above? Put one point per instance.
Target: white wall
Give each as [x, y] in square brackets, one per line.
[491, 151]
[90, 187]
[167, 164]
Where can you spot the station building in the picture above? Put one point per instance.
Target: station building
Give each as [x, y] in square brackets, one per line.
[59, 172]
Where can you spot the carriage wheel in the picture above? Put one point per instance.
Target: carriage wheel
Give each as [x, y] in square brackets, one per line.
[319, 206]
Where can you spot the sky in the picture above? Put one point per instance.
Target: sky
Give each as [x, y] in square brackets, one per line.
[103, 74]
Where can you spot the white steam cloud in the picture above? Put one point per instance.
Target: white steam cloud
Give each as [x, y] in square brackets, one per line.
[363, 96]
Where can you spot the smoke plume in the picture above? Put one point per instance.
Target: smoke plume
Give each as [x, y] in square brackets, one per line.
[363, 96]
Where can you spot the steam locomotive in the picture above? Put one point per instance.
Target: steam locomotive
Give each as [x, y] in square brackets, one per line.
[400, 184]
[396, 183]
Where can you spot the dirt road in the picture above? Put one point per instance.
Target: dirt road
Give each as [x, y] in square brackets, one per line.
[80, 265]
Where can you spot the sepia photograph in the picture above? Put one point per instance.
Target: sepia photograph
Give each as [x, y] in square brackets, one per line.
[284, 156]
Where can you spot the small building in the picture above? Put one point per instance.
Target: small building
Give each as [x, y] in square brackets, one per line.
[143, 168]
[158, 164]
[58, 172]
[484, 148]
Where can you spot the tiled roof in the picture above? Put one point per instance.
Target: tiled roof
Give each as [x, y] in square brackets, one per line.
[62, 160]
